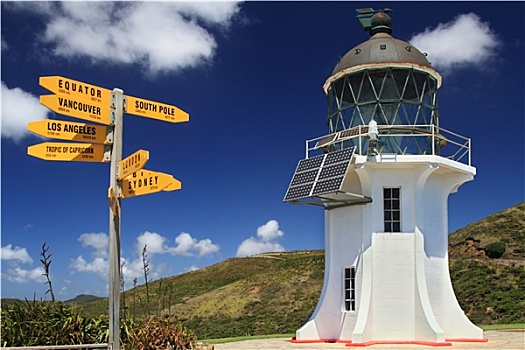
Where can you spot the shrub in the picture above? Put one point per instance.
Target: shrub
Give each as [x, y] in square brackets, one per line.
[35, 323]
[154, 333]
[43, 323]
[495, 250]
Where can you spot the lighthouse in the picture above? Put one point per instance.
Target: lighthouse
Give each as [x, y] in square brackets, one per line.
[382, 175]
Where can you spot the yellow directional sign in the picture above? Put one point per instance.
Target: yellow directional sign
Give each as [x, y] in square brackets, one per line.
[59, 129]
[76, 90]
[155, 110]
[174, 185]
[63, 151]
[133, 163]
[77, 108]
[144, 182]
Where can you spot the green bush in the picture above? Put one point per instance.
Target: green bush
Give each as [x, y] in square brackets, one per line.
[33, 323]
[44, 323]
[495, 250]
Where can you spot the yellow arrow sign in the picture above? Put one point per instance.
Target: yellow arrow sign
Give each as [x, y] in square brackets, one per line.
[155, 110]
[133, 163]
[174, 185]
[144, 182]
[59, 129]
[77, 108]
[63, 151]
[76, 90]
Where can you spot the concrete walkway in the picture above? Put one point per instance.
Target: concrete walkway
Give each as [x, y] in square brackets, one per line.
[497, 340]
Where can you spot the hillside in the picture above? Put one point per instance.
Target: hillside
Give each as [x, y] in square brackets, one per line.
[491, 290]
[265, 294]
[83, 298]
[506, 226]
[277, 292]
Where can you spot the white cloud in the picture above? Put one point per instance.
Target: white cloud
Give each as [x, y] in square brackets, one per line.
[269, 231]
[97, 265]
[20, 254]
[99, 241]
[132, 269]
[205, 247]
[135, 269]
[160, 36]
[156, 244]
[465, 40]
[20, 275]
[19, 108]
[189, 246]
[186, 245]
[266, 241]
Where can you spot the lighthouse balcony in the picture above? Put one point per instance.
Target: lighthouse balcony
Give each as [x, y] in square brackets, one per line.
[395, 139]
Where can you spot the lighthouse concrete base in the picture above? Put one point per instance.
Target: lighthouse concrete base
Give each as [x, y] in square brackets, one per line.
[400, 290]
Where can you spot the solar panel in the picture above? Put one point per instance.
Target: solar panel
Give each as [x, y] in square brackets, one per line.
[333, 170]
[327, 186]
[325, 141]
[304, 177]
[319, 175]
[310, 163]
[339, 156]
[298, 192]
[353, 132]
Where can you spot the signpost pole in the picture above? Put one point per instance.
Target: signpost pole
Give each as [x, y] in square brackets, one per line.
[114, 223]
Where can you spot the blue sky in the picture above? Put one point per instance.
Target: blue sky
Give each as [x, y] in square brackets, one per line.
[250, 74]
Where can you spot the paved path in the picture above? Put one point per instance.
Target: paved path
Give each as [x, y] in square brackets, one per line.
[498, 340]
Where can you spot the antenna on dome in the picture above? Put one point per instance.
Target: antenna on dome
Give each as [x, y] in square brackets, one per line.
[364, 16]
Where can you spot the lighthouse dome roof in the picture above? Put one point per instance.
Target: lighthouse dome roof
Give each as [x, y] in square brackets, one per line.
[381, 48]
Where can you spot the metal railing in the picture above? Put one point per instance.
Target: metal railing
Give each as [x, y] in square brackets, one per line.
[443, 142]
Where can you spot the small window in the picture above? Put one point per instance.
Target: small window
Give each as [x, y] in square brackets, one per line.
[349, 288]
[392, 209]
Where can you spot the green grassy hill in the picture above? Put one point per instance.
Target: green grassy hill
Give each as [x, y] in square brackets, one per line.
[82, 299]
[265, 294]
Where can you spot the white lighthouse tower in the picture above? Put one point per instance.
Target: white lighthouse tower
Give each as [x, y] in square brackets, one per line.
[383, 175]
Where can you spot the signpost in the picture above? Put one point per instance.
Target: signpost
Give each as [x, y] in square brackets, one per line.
[77, 108]
[155, 110]
[114, 225]
[104, 144]
[133, 163]
[65, 151]
[59, 129]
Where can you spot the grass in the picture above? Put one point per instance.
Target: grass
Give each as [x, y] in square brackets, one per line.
[503, 327]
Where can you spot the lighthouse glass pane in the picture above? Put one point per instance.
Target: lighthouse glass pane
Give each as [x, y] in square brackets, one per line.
[403, 102]
[392, 209]
[349, 288]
